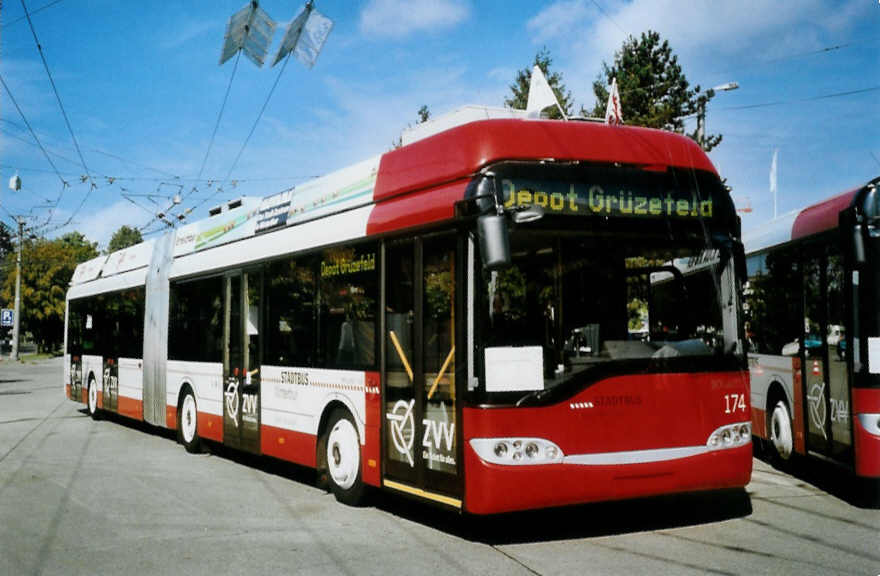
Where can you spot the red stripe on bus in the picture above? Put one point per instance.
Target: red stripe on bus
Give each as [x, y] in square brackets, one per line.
[210, 426]
[462, 151]
[370, 468]
[67, 391]
[171, 416]
[867, 445]
[865, 401]
[800, 444]
[100, 401]
[419, 209]
[130, 407]
[759, 423]
[624, 413]
[296, 447]
[822, 216]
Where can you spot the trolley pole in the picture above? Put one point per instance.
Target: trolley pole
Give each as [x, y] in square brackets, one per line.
[17, 319]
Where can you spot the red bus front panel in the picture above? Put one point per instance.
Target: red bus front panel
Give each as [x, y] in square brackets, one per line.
[624, 437]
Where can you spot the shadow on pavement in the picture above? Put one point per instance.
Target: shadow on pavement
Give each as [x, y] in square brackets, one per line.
[828, 477]
[583, 521]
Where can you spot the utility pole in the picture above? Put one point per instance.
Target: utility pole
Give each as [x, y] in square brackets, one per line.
[701, 109]
[17, 320]
[701, 123]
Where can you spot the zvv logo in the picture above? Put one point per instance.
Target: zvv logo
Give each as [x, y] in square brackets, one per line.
[232, 400]
[403, 428]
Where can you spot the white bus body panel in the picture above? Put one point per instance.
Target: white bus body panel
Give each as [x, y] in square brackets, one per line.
[206, 380]
[131, 378]
[94, 366]
[764, 369]
[334, 229]
[295, 398]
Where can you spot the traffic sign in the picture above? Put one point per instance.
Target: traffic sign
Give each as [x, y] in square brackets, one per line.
[7, 317]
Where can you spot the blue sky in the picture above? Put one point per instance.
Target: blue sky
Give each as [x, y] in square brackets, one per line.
[142, 88]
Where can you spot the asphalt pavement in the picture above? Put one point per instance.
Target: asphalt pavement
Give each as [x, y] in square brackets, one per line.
[113, 496]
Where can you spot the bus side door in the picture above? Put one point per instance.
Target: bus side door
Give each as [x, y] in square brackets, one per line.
[421, 430]
[825, 373]
[241, 360]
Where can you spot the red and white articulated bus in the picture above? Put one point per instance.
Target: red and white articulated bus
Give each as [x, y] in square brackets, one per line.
[469, 319]
[813, 326]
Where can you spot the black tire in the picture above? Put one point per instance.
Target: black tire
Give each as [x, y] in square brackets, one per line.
[188, 422]
[92, 399]
[341, 455]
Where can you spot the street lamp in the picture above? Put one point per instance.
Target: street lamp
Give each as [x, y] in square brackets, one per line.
[15, 185]
[701, 109]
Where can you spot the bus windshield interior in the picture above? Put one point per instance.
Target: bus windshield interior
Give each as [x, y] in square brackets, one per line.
[571, 303]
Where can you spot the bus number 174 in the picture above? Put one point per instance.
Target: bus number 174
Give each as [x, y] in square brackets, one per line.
[734, 402]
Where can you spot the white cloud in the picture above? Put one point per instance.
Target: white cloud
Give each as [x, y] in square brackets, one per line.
[558, 19]
[182, 34]
[700, 33]
[399, 18]
[100, 226]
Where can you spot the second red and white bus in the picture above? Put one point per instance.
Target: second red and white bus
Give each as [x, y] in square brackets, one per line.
[813, 324]
[471, 319]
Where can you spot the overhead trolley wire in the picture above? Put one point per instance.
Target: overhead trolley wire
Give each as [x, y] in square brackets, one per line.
[250, 134]
[92, 186]
[792, 101]
[31, 130]
[40, 9]
[219, 115]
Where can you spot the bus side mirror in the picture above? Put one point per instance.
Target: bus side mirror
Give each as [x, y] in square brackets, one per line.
[852, 235]
[858, 245]
[494, 241]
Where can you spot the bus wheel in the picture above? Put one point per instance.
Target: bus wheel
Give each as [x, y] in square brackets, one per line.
[187, 422]
[92, 396]
[343, 458]
[780, 432]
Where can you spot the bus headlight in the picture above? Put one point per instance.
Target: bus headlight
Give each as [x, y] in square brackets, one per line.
[730, 436]
[870, 422]
[517, 451]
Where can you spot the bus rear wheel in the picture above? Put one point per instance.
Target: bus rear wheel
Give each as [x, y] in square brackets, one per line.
[781, 437]
[92, 399]
[188, 423]
[343, 458]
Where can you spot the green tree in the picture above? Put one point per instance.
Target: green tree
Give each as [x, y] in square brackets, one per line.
[424, 113]
[520, 87]
[654, 91]
[123, 238]
[7, 244]
[47, 267]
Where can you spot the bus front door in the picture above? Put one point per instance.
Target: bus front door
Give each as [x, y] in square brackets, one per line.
[421, 430]
[241, 361]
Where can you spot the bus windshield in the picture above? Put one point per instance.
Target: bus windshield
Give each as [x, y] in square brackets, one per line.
[585, 298]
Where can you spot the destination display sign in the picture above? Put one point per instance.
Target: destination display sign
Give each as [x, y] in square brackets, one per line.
[619, 199]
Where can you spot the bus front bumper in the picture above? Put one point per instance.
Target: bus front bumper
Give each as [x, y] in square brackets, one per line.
[493, 488]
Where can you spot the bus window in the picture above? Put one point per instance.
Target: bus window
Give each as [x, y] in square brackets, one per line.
[347, 317]
[772, 315]
[290, 310]
[195, 329]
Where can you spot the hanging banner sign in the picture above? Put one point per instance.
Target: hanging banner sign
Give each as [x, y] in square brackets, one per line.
[273, 211]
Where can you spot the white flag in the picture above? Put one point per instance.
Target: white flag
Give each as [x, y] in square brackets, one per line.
[540, 95]
[773, 179]
[613, 113]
